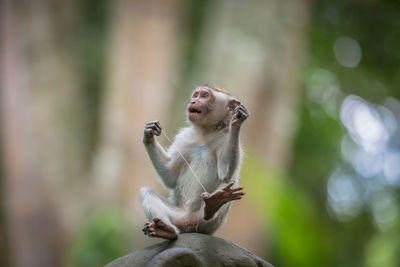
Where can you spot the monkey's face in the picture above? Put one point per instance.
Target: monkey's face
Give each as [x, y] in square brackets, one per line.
[207, 107]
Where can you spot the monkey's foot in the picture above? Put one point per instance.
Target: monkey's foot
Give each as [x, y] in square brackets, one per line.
[159, 229]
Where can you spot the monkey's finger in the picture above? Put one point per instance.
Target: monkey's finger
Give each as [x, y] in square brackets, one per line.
[154, 125]
[237, 114]
[233, 195]
[157, 125]
[149, 124]
[235, 198]
[148, 131]
[238, 107]
[158, 129]
[243, 112]
[246, 113]
[242, 116]
[231, 199]
[159, 223]
[155, 121]
[242, 107]
[228, 186]
[154, 129]
[236, 189]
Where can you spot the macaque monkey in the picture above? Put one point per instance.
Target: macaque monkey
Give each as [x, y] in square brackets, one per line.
[210, 144]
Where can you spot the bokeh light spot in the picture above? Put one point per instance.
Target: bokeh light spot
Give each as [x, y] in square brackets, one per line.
[384, 209]
[347, 51]
[364, 124]
[391, 167]
[344, 196]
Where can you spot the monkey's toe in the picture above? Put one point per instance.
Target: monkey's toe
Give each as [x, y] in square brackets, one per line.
[162, 234]
[159, 224]
[145, 229]
[160, 229]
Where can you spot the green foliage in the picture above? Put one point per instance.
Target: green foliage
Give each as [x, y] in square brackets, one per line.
[299, 239]
[316, 150]
[383, 250]
[104, 237]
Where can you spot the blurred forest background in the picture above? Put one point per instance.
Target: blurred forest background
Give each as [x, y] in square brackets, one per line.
[79, 80]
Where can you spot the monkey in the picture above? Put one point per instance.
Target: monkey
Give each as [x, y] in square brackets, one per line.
[210, 145]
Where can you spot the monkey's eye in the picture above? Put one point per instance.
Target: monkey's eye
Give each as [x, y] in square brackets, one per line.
[195, 94]
[205, 95]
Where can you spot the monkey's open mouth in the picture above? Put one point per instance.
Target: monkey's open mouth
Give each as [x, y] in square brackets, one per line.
[194, 110]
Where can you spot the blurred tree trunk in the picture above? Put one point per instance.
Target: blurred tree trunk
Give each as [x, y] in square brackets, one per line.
[43, 128]
[142, 52]
[255, 50]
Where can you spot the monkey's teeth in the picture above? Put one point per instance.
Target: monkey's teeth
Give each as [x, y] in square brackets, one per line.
[193, 110]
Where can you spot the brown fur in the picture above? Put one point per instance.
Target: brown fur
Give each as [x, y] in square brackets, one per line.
[215, 88]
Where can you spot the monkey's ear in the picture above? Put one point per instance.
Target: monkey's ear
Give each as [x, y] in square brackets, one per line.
[233, 104]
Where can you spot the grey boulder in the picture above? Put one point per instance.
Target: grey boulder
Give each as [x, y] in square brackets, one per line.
[191, 249]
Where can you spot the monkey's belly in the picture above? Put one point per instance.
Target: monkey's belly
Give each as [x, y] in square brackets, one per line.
[188, 191]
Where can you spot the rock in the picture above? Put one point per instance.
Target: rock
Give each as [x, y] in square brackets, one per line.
[191, 249]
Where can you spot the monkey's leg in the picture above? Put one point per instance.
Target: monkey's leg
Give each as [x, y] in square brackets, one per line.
[211, 226]
[160, 213]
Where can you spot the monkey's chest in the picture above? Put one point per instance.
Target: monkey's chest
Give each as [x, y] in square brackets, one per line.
[204, 164]
[204, 156]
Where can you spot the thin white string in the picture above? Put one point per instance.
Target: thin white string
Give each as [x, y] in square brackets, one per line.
[187, 163]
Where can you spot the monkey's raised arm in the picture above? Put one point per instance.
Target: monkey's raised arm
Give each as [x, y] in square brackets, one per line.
[159, 157]
[229, 159]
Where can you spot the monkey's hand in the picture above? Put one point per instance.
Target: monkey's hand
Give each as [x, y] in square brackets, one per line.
[152, 128]
[217, 199]
[240, 115]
